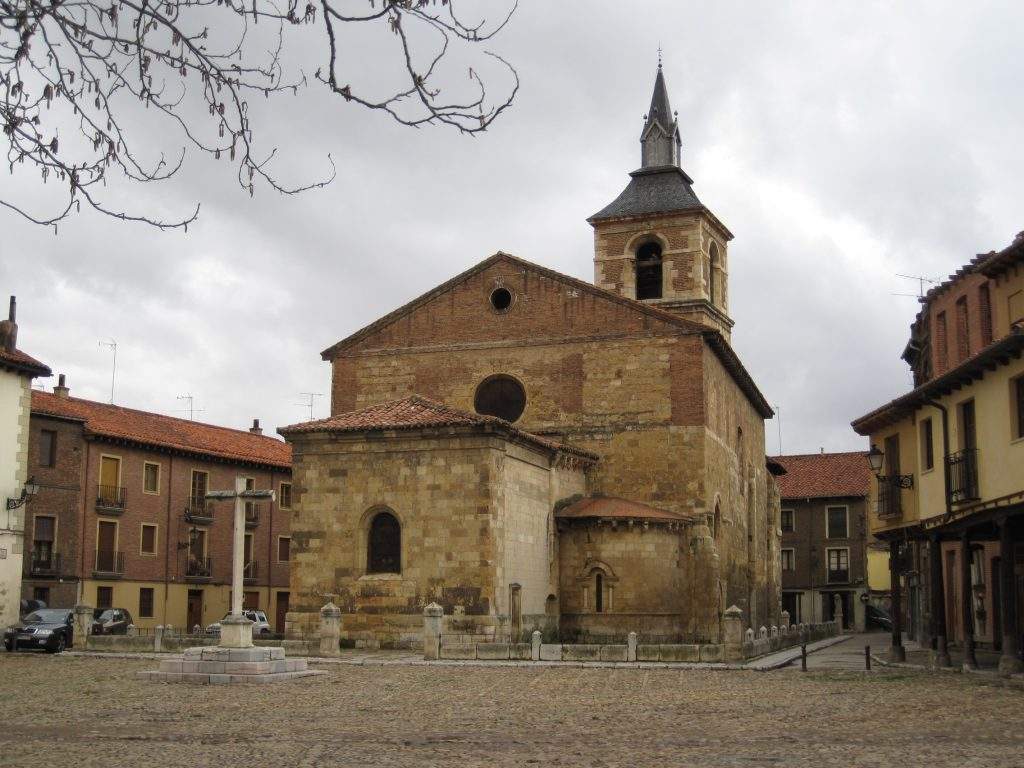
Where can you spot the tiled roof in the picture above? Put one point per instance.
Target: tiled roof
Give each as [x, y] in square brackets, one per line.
[616, 508]
[166, 432]
[21, 362]
[661, 189]
[824, 475]
[417, 412]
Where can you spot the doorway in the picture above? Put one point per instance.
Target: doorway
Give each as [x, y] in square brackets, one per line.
[516, 611]
[997, 605]
[195, 609]
[106, 546]
[282, 612]
[828, 609]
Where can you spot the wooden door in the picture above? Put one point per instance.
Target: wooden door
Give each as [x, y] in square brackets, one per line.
[195, 609]
[951, 582]
[282, 610]
[110, 471]
[106, 546]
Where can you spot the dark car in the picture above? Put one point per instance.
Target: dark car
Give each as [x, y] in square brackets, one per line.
[111, 621]
[50, 629]
[876, 617]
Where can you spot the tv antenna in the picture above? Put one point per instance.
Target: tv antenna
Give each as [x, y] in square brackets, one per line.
[191, 405]
[112, 344]
[312, 399]
[921, 280]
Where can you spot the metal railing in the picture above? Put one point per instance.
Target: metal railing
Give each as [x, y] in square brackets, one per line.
[962, 476]
[111, 498]
[108, 561]
[890, 501]
[252, 514]
[199, 568]
[44, 564]
[251, 571]
[199, 511]
[839, 576]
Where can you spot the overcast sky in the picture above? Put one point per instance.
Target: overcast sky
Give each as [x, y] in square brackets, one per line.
[841, 143]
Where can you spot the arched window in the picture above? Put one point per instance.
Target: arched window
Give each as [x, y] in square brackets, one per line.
[713, 273]
[717, 529]
[648, 271]
[500, 396]
[599, 592]
[384, 544]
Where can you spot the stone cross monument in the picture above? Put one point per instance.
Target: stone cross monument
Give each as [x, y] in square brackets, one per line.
[236, 630]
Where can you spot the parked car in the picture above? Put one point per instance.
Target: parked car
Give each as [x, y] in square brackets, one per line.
[51, 629]
[27, 606]
[876, 617]
[111, 621]
[260, 625]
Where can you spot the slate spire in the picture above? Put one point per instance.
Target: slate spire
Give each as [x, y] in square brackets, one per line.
[660, 140]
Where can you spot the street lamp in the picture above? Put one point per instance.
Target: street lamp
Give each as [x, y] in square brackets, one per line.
[30, 490]
[876, 460]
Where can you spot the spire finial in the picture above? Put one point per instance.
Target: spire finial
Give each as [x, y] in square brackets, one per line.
[659, 55]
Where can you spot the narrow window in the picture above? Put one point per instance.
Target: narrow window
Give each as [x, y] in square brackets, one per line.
[927, 445]
[384, 553]
[47, 448]
[713, 273]
[151, 477]
[892, 455]
[104, 597]
[1018, 391]
[985, 311]
[941, 344]
[963, 341]
[42, 594]
[285, 496]
[648, 271]
[599, 592]
[838, 566]
[787, 520]
[42, 545]
[284, 549]
[145, 602]
[787, 560]
[148, 539]
[837, 523]
[200, 481]
[968, 430]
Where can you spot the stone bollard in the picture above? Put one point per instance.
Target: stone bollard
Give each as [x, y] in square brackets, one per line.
[132, 631]
[158, 638]
[330, 630]
[748, 636]
[196, 629]
[785, 619]
[732, 626]
[433, 618]
[631, 646]
[773, 632]
[82, 626]
[535, 645]
[762, 633]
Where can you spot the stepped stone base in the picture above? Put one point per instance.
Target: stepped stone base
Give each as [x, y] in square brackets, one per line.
[216, 665]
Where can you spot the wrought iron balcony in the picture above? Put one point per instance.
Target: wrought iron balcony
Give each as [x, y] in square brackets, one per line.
[110, 500]
[839, 576]
[198, 569]
[109, 564]
[250, 572]
[962, 476]
[44, 564]
[199, 511]
[890, 501]
[252, 514]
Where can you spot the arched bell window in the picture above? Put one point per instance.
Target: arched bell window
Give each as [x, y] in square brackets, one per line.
[648, 271]
[714, 259]
[384, 544]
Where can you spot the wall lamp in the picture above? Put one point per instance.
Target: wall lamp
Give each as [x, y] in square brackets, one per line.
[30, 490]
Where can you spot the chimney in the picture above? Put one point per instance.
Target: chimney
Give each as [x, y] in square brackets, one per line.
[61, 389]
[255, 428]
[9, 328]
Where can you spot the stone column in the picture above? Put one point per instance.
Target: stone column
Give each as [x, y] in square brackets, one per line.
[837, 613]
[535, 646]
[896, 652]
[704, 593]
[1009, 661]
[970, 661]
[330, 630]
[433, 617]
[938, 602]
[82, 627]
[631, 646]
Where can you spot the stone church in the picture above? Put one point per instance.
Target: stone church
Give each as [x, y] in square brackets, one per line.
[532, 451]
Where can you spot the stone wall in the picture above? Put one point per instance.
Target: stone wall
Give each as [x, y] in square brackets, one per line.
[14, 415]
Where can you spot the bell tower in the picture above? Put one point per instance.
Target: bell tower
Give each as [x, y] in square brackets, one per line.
[656, 242]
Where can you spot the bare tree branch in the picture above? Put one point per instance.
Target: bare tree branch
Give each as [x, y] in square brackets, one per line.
[94, 64]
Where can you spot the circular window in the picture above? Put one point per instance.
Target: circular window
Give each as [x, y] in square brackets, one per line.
[500, 396]
[501, 299]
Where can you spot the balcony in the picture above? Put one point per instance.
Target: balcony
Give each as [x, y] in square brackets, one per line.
[962, 476]
[841, 576]
[250, 572]
[199, 512]
[890, 502]
[110, 500]
[199, 570]
[252, 514]
[44, 565]
[109, 565]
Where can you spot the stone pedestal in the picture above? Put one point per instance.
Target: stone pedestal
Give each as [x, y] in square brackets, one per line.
[330, 630]
[236, 632]
[83, 626]
[433, 616]
[219, 665]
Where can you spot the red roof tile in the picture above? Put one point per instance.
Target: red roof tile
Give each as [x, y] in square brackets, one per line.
[824, 475]
[417, 412]
[21, 362]
[165, 432]
[621, 509]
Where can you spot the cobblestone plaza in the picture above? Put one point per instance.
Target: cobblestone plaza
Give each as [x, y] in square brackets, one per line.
[93, 711]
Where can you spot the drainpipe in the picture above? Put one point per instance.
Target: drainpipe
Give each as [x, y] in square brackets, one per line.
[945, 449]
[270, 549]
